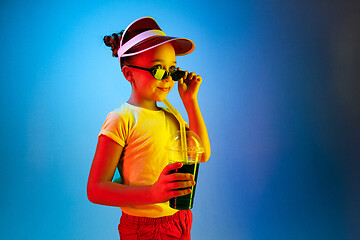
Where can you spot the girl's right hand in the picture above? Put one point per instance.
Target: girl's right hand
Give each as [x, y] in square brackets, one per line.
[165, 187]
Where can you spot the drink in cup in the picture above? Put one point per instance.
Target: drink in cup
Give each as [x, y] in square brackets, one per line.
[190, 158]
[185, 202]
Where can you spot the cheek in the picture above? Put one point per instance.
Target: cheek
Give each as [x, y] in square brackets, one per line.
[143, 76]
[145, 81]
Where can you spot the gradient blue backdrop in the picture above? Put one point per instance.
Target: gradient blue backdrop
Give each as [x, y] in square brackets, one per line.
[280, 96]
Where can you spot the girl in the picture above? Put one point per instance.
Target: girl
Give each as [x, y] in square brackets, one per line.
[133, 136]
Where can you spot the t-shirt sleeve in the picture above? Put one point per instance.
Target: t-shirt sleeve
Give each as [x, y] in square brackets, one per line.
[115, 128]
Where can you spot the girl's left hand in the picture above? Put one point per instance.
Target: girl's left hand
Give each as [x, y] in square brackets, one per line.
[188, 86]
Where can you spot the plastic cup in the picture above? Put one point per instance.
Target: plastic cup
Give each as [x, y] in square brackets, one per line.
[190, 157]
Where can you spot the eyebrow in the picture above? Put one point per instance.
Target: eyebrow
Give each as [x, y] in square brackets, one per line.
[160, 60]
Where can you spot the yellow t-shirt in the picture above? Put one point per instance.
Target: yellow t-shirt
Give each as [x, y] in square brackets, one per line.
[143, 134]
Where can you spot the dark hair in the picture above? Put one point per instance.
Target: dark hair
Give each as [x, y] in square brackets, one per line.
[113, 41]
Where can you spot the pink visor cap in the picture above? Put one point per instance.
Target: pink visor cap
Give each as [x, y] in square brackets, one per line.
[144, 34]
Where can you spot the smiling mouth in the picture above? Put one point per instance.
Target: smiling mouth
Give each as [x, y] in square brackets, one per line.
[164, 89]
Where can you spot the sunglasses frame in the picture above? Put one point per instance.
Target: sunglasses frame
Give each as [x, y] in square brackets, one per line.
[176, 75]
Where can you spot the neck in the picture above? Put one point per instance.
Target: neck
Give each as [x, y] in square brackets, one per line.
[148, 104]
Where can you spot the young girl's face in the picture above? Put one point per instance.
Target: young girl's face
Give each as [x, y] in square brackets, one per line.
[144, 85]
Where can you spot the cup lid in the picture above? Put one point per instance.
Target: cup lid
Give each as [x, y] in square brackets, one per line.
[194, 144]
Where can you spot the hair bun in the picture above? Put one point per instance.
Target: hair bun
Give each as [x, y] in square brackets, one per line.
[113, 41]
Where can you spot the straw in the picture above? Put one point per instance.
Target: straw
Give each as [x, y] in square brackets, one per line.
[183, 138]
[182, 129]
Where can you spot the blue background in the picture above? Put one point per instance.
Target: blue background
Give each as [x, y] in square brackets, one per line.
[280, 97]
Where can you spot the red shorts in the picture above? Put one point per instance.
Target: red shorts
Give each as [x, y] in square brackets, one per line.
[177, 226]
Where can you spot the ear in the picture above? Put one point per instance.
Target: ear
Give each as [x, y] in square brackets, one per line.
[127, 73]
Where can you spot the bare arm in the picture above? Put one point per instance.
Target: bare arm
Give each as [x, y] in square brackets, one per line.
[101, 190]
[197, 125]
[188, 90]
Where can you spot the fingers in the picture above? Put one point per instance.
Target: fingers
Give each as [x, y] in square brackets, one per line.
[179, 180]
[180, 193]
[192, 76]
[171, 167]
[172, 184]
[181, 184]
[185, 178]
[181, 177]
[189, 76]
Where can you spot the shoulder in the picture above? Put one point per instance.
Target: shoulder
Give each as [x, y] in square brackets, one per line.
[121, 114]
[118, 124]
[123, 111]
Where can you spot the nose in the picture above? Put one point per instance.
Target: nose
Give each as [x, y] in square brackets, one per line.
[168, 78]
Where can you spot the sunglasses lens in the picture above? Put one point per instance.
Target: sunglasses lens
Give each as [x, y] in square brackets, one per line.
[177, 75]
[159, 74]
